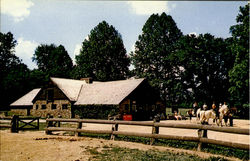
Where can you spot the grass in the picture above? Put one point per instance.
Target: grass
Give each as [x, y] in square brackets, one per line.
[182, 111]
[213, 149]
[126, 154]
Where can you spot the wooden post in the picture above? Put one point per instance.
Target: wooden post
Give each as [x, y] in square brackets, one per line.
[155, 130]
[201, 134]
[48, 124]
[14, 124]
[79, 126]
[114, 128]
[59, 123]
[38, 123]
[231, 121]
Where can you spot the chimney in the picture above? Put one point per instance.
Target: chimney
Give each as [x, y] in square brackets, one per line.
[88, 80]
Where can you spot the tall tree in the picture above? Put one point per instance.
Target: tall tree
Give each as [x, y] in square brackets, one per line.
[206, 61]
[102, 56]
[53, 60]
[13, 73]
[239, 75]
[154, 56]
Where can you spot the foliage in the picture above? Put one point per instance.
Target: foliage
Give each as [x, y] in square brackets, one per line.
[102, 56]
[53, 60]
[96, 112]
[14, 75]
[154, 57]
[126, 154]
[239, 74]
[206, 61]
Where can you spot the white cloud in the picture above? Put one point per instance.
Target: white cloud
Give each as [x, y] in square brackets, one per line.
[149, 7]
[18, 9]
[25, 50]
[76, 51]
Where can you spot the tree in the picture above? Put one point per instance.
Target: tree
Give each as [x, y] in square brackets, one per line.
[154, 56]
[14, 75]
[206, 61]
[53, 60]
[239, 75]
[102, 56]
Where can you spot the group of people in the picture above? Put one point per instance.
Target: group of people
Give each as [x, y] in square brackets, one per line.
[205, 107]
[219, 112]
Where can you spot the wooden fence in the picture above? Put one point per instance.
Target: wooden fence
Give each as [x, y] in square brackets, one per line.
[19, 123]
[201, 130]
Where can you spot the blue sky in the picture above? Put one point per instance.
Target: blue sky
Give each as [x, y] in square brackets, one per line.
[69, 22]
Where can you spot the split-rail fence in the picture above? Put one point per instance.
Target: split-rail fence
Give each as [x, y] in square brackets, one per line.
[201, 130]
[17, 123]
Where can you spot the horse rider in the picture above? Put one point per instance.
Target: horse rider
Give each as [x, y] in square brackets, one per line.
[205, 108]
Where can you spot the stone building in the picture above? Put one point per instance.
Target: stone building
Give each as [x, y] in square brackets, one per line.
[65, 96]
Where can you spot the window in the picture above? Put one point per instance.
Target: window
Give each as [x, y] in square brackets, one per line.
[53, 107]
[50, 94]
[37, 106]
[43, 106]
[65, 106]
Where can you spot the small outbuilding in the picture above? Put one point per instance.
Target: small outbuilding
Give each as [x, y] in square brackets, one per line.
[90, 99]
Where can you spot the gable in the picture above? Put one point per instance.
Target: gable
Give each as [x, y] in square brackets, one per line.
[50, 93]
[70, 87]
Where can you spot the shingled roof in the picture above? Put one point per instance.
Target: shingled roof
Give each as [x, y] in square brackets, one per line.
[107, 93]
[70, 87]
[26, 100]
[96, 93]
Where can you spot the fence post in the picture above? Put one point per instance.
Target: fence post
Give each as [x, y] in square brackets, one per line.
[79, 126]
[155, 130]
[14, 124]
[38, 123]
[59, 123]
[114, 128]
[48, 124]
[201, 134]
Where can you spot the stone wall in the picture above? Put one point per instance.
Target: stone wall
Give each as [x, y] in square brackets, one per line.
[38, 110]
[22, 112]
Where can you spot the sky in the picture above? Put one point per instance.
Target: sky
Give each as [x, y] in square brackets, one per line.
[69, 22]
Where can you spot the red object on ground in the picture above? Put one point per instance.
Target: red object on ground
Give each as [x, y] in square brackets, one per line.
[127, 117]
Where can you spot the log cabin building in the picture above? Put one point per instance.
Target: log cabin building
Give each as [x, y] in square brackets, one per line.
[65, 96]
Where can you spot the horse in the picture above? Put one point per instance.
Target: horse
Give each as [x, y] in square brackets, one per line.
[206, 115]
[223, 111]
[198, 114]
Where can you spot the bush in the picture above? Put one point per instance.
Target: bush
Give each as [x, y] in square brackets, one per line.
[96, 112]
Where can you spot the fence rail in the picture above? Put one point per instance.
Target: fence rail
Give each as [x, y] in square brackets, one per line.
[201, 129]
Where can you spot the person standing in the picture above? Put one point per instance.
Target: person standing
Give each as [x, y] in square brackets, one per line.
[216, 110]
[195, 107]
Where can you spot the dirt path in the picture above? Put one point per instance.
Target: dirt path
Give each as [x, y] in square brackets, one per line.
[40, 147]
